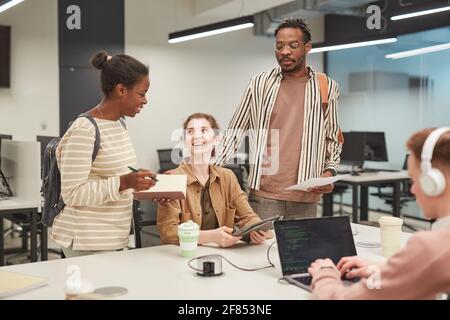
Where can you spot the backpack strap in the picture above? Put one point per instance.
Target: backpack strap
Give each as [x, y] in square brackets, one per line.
[122, 121]
[60, 204]
[323, 86]
[97, 134]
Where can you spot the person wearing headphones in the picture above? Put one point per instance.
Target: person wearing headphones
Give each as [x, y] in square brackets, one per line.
[421, 270]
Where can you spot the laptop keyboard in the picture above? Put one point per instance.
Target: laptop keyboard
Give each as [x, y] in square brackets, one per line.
[304, 280]
[307, 280]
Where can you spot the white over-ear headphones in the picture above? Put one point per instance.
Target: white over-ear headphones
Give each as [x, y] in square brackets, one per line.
[432, 180]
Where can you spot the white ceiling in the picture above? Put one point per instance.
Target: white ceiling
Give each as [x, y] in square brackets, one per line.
[228, 9]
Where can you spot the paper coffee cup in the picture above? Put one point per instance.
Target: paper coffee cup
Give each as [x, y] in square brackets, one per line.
[188, 236]
[74, 289]
[390, 233]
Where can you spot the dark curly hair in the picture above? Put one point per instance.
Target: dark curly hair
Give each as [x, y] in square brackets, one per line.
[294, 22]
[117, 69]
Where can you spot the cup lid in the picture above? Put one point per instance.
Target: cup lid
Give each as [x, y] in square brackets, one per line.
[188, 226]
[390, 221]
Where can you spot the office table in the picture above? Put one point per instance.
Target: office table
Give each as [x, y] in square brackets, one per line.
[363, 181]
[161, 273]
[15, 205]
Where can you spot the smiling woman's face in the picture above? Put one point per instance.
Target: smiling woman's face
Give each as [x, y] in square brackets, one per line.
[200, 138]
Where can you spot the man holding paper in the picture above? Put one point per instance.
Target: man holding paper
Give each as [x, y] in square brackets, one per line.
[290, 114]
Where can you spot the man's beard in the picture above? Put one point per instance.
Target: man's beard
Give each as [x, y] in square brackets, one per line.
[296, 67]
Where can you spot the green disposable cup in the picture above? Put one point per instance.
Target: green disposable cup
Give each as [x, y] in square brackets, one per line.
[188, 236]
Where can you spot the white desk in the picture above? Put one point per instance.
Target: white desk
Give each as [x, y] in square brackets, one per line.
[161, 273]
[16, 205]
[364, 180]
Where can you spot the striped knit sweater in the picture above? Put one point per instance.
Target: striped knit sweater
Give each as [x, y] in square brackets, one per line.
[96, 216]
[321, 143]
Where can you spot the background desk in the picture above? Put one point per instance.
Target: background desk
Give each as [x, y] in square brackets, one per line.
[21, 162]
[364, 181]
[17, 205]
[161, 273]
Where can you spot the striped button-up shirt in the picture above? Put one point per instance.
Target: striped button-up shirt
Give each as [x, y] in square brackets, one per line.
[321, 143]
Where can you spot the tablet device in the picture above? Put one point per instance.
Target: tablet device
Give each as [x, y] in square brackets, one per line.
[263, 225]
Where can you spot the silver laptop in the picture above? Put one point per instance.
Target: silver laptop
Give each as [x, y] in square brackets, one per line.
[302, 241]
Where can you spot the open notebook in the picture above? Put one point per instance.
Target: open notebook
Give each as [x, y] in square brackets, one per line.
[169, 186]
[12, 283]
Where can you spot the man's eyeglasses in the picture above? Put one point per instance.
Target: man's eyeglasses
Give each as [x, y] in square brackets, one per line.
[292, 45]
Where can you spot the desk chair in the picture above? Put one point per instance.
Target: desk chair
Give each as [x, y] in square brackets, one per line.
[165, 159]
[388, 195]
[238, 170]
[139, 223]
[23, 223]
[340, 189]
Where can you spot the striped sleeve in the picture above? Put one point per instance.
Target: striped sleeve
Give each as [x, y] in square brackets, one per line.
[75, 164]
[239, 124]
[333, 132]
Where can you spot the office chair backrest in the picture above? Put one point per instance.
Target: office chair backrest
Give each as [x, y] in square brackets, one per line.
[405, 163]
[238, 170]
[406, 184]
[165, 158]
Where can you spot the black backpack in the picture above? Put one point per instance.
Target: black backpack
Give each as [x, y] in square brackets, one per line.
[51, 183]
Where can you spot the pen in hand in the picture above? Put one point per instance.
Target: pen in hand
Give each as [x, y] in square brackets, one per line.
[136, 170]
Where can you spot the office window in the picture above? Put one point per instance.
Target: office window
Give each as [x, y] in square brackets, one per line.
[395, 96]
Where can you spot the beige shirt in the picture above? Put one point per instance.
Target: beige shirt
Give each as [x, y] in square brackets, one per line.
[421, 270]
[283, 150]
[97, 216]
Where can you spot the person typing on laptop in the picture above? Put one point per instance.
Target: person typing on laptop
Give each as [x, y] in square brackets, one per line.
[421, 270]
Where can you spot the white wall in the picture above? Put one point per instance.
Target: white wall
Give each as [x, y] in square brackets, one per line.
[32, 101]
[208, 75]
[203, 75]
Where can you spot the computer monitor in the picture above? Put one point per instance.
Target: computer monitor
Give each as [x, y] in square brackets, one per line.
[375, 146]
[353, 149]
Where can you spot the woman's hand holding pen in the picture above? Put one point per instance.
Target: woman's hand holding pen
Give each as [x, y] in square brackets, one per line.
[139, 181]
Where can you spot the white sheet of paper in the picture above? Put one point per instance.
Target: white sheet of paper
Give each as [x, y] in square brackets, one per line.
[316, 182]
[171, 186]
[169, 182]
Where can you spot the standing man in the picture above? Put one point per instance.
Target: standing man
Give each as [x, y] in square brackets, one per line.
[293, 128]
